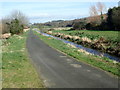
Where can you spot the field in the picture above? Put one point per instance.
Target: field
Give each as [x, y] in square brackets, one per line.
[17, 70]
[100, 62]
[92, 34]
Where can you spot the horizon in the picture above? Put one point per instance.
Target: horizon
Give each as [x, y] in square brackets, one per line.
[40, 12]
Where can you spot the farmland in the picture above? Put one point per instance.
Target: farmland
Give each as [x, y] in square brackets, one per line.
[92, 34]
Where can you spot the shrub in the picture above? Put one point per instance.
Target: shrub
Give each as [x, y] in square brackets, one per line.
[114, 18]
[14, 23]
[79, 25]
[15, 27]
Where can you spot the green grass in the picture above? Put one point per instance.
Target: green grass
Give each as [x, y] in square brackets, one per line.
[92, 34]
[17, 70]
[100, 62]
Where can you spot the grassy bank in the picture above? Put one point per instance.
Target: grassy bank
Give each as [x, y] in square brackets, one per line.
[100, 62]
[17, 70]
[104, 41]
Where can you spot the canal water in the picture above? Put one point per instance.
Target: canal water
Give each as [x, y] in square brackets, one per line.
[89, 50]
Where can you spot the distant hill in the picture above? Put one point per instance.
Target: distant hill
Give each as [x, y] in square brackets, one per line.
[70, 23]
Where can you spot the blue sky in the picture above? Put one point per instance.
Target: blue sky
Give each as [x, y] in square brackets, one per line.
[47, 11]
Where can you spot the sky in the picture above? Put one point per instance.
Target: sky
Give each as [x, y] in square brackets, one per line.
[48, 10]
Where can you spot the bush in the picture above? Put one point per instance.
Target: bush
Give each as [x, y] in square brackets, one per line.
[79, 26]
[114, 18]
[15, 27]
[111, 23]
[14, 23]
[4, 27]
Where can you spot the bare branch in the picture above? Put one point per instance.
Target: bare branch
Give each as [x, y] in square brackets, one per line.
[93, 11]
[101, 7]
[20, 16]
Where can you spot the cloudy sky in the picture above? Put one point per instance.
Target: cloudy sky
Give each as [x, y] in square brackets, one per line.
[47, 10]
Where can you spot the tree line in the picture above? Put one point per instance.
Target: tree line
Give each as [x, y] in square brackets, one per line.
[14, 23]
[109, 21]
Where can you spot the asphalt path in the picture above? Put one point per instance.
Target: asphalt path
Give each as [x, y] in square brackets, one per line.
[60, 71]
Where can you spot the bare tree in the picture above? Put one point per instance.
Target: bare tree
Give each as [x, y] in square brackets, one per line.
[93, 14]
[101, 8]
[4, 26]
[93, 11]
[20, 16]
[8, 20]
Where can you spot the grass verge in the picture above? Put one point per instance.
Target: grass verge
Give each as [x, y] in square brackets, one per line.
[100, 62]
[17, 70]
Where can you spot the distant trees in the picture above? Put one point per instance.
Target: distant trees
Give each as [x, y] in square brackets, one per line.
[19, 16]
[15, 27]
[4, 26]
[113, 19]
[93, 15]
[14, 23]
[101, 8]
[95, 10]
[95, 19]
[111, 22]
[97, 22]
[79, 25]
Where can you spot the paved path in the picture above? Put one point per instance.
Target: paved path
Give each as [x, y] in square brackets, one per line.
[60, 71]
